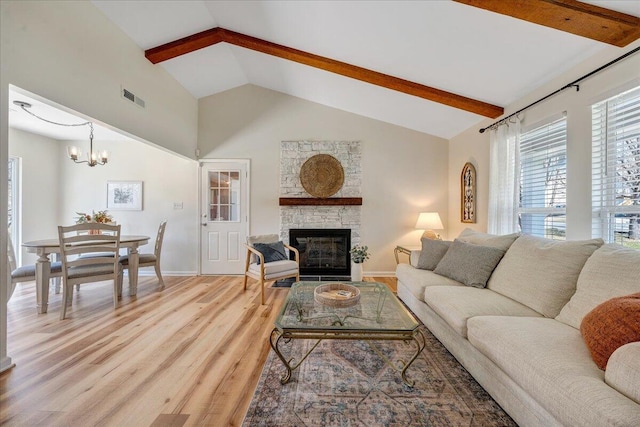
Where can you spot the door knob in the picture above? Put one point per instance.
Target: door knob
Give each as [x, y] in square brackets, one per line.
[204, 224]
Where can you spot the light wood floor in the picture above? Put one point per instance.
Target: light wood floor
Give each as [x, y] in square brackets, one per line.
[188, 354]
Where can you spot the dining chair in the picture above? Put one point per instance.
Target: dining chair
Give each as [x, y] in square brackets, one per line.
[147, 260]
[79, 270]
[267, 261]
[26, 273]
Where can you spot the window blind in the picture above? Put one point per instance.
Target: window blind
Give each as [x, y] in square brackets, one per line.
[616, 169]
[543, 180]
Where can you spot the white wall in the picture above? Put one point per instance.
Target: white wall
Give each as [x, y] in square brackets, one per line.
[54, 189]
[166, 179]
[472, 146]
[404, 172]
[40, 185]
[71, 54]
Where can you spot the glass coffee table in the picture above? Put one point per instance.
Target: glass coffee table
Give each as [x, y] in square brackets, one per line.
[378, 316]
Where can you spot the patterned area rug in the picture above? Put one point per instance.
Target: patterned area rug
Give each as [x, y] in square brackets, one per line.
[345, 383]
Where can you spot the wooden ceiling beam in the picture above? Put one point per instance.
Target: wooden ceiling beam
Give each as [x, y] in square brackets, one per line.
[184, 45]
[575, 17]
[218, 35]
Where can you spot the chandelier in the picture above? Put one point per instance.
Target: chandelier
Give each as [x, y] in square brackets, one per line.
[93, 157]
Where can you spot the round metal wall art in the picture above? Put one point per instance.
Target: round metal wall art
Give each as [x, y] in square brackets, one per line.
[322, 175]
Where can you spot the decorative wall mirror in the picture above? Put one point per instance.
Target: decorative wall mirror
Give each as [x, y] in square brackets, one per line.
[468, 193]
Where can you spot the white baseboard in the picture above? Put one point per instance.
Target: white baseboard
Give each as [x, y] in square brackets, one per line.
[6, 364]
[195, 273]
[379, 273]
[164, 273]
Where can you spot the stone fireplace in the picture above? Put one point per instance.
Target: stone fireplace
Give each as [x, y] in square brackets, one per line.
[292, 156]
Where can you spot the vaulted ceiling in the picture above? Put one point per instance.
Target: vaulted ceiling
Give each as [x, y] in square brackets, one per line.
[482, 56]
[446, 45]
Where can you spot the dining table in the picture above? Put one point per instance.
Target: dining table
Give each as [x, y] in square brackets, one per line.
[46, 247]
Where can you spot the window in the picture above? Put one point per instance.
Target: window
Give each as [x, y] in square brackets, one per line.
[616, 169]
[543, 180]
[224, 195]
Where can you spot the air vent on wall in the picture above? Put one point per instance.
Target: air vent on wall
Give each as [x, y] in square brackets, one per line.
[127, 94]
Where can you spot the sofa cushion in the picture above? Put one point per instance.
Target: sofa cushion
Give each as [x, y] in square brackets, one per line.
[550, 360]
[612, 271]
[484, 239]
[469, 263]
[542, 273]
[275, 269]
[456, 304]
[431, 253]
[611, 325]
[623, 371]
[417, 280]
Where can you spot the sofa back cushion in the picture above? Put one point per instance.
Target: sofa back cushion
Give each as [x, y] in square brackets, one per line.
[501, 242]
[611, 271]
[542, 273]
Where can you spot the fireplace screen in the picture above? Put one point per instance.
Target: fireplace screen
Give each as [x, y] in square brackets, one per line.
[322, 251]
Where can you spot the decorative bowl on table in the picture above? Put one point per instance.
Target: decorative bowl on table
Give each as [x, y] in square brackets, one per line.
[336, 295]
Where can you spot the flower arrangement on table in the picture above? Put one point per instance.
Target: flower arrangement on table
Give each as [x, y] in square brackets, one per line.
[359, 254]
[101, 216]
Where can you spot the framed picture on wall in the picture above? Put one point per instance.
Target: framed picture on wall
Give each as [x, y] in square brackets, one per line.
[468, 194]
[124, 195]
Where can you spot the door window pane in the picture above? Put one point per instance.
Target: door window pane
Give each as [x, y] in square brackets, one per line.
[224, 193]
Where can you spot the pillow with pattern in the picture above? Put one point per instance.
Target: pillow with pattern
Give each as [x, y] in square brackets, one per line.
[271, 251]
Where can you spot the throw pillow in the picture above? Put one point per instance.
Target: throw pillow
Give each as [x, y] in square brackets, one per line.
[468, 263]
[611, 325]
[431, 253]
[271, 251]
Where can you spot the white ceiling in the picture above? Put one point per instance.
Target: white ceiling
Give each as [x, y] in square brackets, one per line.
[438, 43]
[22, 120]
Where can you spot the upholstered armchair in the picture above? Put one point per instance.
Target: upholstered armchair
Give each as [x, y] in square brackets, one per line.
[267, 261]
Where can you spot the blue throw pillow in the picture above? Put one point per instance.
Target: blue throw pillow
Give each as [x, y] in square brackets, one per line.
[271, 251]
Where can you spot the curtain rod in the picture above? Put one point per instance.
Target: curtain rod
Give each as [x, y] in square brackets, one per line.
[567, 86]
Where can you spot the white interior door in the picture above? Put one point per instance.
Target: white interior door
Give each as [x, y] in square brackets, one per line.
[224, 210]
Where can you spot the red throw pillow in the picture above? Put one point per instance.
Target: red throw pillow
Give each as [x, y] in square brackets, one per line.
[611, 325]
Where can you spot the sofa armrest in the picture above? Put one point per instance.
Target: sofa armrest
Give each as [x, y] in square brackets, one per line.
[623, 371]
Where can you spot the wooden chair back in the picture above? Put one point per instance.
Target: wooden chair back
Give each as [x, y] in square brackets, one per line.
[99, 260]
[159, 238]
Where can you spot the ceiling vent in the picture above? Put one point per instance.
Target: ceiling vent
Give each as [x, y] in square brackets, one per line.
[127, 94]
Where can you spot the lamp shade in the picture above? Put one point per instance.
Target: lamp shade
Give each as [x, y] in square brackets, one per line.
[429, 221]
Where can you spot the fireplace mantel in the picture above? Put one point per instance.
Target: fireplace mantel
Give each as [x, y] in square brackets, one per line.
[313, 201]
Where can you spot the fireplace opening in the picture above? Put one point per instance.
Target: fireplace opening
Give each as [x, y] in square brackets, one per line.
[324, 252]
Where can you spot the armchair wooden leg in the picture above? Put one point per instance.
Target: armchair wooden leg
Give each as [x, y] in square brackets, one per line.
[262, 291]
[245, 282]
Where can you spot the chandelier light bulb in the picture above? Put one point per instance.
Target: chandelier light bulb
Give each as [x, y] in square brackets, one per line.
[73, 152]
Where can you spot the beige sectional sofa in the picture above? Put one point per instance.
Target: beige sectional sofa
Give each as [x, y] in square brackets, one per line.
[520, 336]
